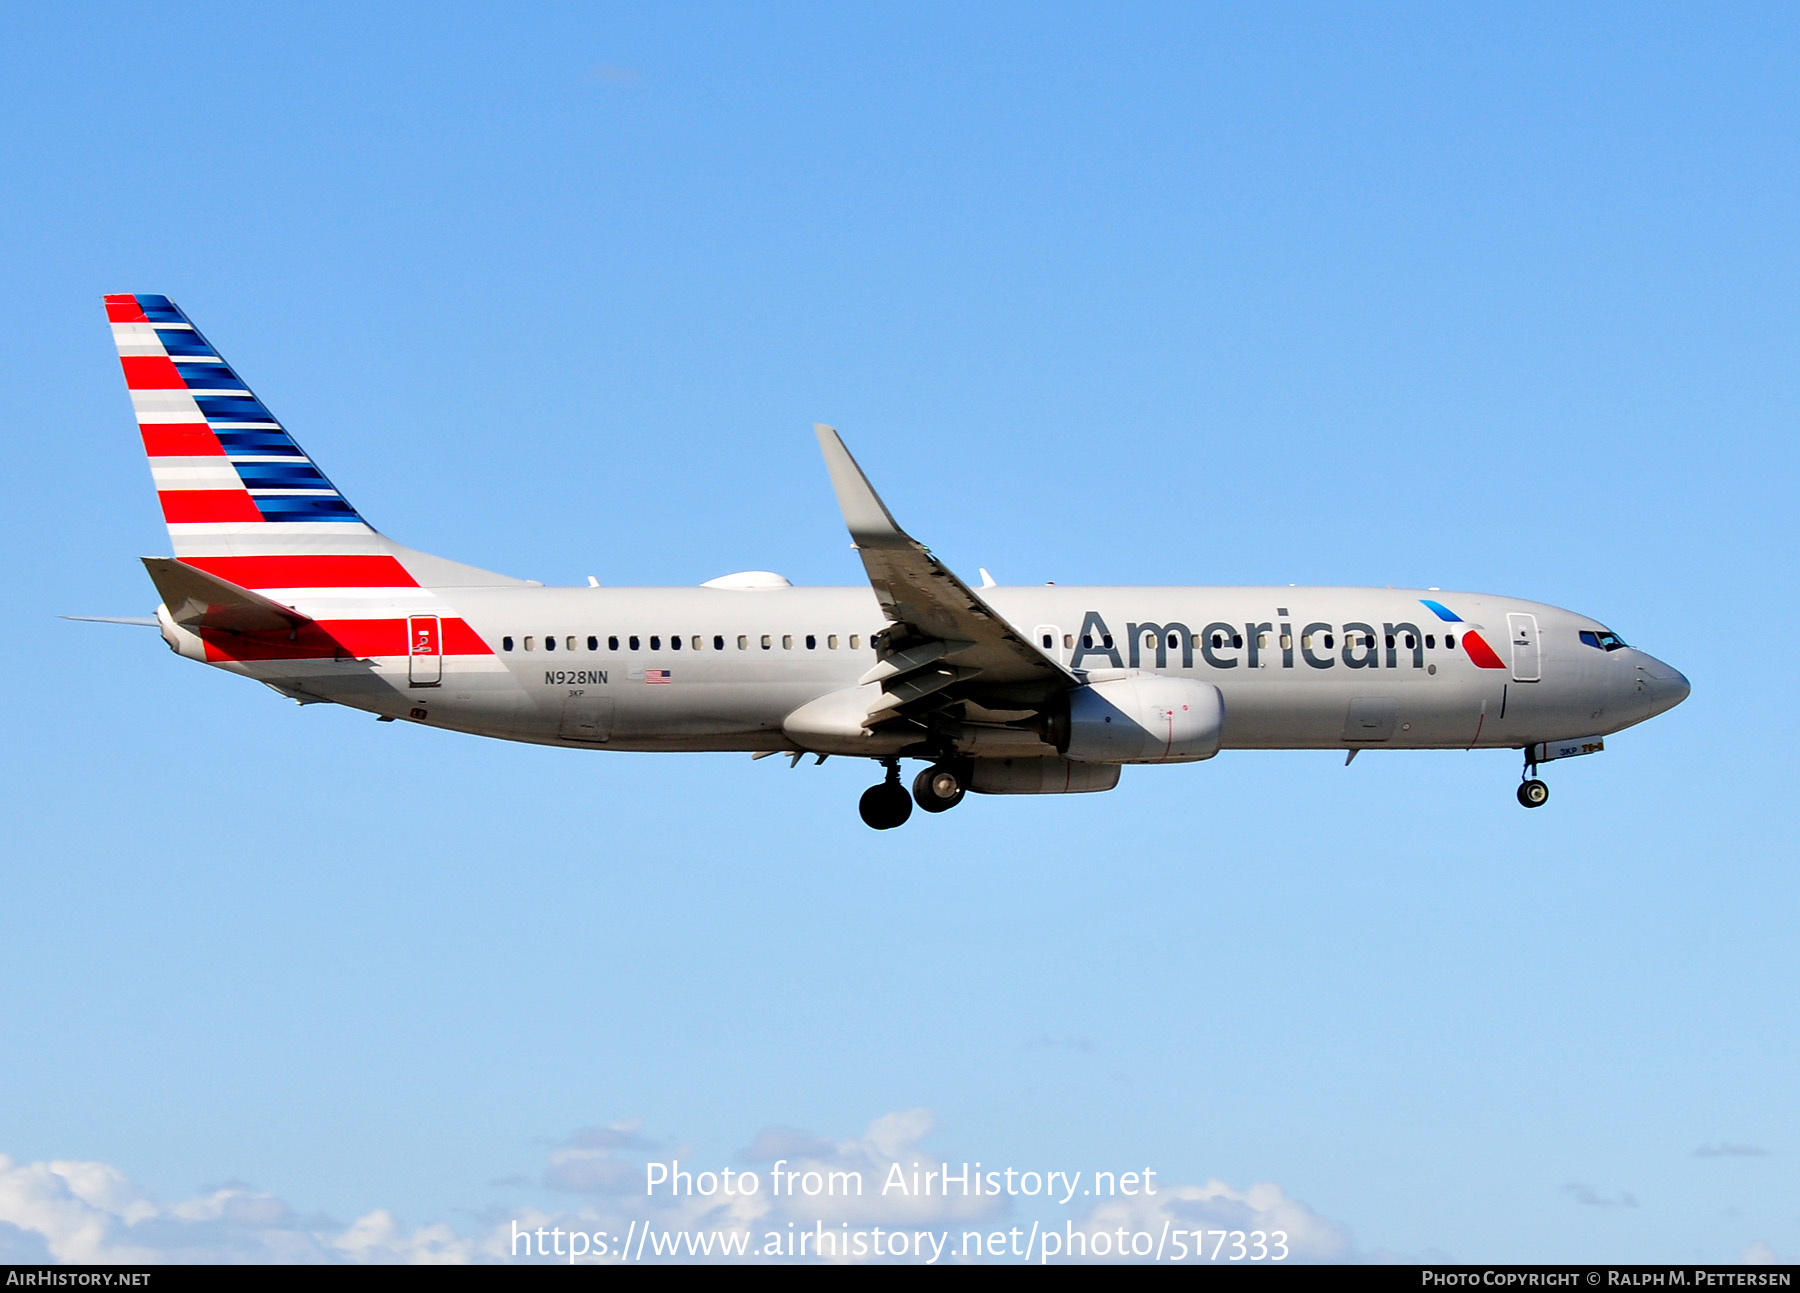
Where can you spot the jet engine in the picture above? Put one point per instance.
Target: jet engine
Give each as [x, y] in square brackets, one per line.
[1145, 718]
[1040, 776]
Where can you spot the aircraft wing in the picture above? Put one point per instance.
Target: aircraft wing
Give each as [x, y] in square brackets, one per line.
[946, 641]
[197, 600]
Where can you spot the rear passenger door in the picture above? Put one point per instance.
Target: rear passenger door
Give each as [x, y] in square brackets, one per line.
[424, 651]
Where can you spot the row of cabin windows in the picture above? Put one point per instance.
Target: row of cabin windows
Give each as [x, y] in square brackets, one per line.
[766, 641]
[1262, 641]
[696, 642]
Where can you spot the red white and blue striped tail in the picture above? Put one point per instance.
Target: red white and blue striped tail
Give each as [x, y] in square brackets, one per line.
[263, 526]
[242, 499]
[220, 458]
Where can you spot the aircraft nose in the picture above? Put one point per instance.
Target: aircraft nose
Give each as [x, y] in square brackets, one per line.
[1665, 686]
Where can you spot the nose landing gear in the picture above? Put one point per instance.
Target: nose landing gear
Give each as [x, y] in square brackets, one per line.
[1532, 792]
[887, 805]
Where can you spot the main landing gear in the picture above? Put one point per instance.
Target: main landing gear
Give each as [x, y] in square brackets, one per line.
[1532, 792]
[941, 787]
[887, 805]
[938, 789]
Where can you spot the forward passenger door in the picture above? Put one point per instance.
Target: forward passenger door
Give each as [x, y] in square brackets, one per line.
[1526, 665]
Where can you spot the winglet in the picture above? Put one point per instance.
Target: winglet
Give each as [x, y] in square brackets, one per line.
[871, 524]
[924, 596]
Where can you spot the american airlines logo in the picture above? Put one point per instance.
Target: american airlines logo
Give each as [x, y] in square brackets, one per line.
[1321, 645]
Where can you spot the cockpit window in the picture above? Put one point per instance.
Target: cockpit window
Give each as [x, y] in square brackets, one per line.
[1604, 639]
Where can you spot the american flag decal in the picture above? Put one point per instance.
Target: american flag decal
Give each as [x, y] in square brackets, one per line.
[656, 675]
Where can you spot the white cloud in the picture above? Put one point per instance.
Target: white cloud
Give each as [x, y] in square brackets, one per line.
[1213, 1208]
[92, 1213]
[1588, 1195]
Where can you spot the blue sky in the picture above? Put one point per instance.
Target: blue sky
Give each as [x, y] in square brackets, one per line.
[1494, 299]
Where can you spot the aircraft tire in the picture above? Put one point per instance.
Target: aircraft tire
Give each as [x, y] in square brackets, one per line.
[1533, 794]
[940, 788]
[885, 806]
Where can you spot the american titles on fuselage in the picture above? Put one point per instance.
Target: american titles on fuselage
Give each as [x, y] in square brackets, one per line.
[1318, 644]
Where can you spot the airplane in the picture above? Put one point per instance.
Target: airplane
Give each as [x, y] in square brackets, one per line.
[998, 690]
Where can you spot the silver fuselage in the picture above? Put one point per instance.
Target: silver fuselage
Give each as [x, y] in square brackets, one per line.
[748, 659]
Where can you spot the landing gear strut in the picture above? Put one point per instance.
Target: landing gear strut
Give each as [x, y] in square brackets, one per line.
[1532, 792]
[941, 787]
[887, 805]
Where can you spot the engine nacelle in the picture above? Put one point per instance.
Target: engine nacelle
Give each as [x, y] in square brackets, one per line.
[1146, 718]
[1040, 776]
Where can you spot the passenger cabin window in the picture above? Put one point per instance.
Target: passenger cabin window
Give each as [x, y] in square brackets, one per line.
[767, 641]
[812, 643]
[1450, 641]
[570, 642]
[634, 642]
[787, 641]
[550, 642]
[1237, 641]
[612, 644]
[696, 642]
[675, 642]
[743, 642]
[593, 644]
[831, 642]
[855, 641]
[655, 642]
[506, 644]
[1069, 640]
[718, 642]
[1049, 641]
[1431, 641]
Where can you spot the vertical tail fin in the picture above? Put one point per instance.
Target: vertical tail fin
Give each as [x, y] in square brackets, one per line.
[224, 465]
[242, 500]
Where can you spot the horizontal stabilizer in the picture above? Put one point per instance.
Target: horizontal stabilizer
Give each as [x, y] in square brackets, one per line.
[197, 600]
[136, 621]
